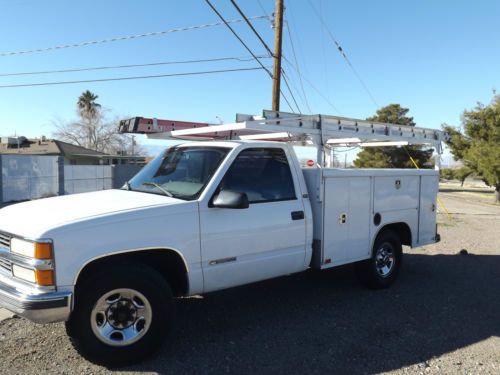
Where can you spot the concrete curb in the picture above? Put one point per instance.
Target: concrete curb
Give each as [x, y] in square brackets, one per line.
[5, 314]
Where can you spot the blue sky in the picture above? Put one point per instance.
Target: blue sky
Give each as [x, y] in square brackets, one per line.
[435, 57]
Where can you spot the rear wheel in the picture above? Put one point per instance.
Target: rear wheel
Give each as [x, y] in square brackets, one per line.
[382, 269]
[121, 316]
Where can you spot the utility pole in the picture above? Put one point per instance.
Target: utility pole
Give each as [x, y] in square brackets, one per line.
[278, 37]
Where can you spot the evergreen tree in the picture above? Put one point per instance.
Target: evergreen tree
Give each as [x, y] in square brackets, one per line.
[394, 157]
[477, 144]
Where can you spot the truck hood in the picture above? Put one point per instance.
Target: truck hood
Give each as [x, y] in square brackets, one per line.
[32, 219]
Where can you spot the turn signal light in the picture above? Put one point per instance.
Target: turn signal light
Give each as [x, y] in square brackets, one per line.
[44, 277]
[43, 250]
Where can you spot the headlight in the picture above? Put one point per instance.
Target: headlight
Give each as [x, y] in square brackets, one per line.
[23, 273]
[36, 266]
[39, 277]
[37, 250]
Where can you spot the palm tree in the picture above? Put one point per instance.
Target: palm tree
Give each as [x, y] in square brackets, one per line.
[87, 106]
[88, 110]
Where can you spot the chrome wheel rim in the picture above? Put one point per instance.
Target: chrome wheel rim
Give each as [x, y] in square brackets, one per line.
[121, 317]
[385, 260]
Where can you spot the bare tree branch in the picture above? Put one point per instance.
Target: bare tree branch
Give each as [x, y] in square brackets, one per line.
[94, 130]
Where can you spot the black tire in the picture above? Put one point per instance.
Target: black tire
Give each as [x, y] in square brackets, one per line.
[139, 278]
[375, 273]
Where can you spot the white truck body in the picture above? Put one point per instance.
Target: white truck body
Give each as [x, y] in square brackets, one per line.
[284, 222]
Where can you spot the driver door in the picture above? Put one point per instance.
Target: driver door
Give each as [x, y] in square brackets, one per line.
[265, 240]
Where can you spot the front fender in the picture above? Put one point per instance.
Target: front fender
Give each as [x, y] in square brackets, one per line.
[173, 227]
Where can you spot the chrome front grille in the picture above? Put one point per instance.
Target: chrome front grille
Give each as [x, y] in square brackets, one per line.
[6, 264]
[5, 240]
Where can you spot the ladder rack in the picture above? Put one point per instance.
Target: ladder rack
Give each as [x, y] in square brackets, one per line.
[318, 130]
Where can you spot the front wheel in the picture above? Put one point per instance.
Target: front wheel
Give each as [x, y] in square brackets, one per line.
[382, 269]
[121, 316]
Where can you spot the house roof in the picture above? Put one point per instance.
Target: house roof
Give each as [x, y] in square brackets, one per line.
[48, 147]
[68, 149]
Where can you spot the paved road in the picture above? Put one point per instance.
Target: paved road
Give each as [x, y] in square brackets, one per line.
[441, 317]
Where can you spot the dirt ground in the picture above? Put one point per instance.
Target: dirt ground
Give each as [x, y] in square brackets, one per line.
[442, 316]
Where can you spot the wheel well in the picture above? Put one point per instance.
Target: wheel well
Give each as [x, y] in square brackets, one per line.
[401, 229]
[168, 263]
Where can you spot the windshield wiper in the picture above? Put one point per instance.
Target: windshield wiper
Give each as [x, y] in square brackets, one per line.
[127, 186]
[167, 193]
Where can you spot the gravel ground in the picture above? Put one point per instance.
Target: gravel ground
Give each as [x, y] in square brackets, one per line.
[442, 316]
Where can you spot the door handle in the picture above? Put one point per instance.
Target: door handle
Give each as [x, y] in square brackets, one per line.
[298, 215]
[343, 219]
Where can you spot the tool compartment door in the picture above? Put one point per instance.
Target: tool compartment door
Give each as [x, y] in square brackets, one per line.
[346, 230]
[427, 215]
[394, 193]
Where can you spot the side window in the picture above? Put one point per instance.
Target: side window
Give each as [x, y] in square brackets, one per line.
[263, 174]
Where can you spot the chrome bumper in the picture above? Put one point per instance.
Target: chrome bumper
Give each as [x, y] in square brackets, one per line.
[40, 308]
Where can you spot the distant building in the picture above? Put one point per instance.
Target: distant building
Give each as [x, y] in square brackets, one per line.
[72, 154]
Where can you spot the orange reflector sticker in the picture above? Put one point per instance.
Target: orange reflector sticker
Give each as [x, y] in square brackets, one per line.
[44, 277]
[43, 250]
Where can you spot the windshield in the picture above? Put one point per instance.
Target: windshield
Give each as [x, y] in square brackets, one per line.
[179, 172]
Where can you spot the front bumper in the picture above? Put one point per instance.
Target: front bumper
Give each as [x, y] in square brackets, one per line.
[45, 307]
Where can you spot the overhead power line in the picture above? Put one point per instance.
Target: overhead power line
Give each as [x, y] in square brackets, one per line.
[312, 85]
[298, 67]
[251, 27]
[342, 52]
[246, 47]
[287, 102]
[290, 90]
[237, 36]
[130, 66]
[242, 14]
[293, 85]
[130, 78]
[126, 37]
[261, 7]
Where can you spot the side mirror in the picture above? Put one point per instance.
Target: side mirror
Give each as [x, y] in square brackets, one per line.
[230, 199]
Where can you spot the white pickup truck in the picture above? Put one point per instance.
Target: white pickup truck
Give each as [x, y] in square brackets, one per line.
[202, 216]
